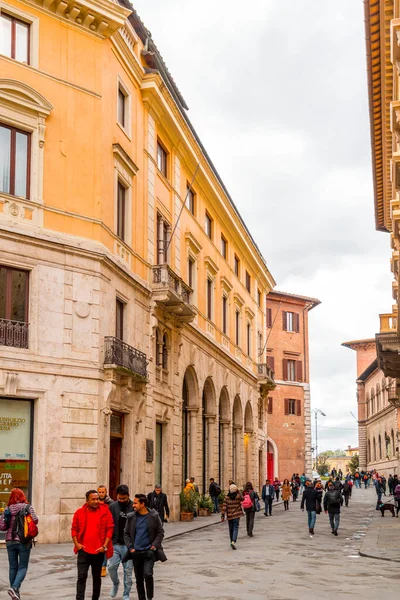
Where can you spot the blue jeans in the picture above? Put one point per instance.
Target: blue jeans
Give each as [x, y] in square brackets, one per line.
[216, 504]
[312, 517]
[233, 529]
[357, 482]
[113, 564]
[18, 560]
[334, 520]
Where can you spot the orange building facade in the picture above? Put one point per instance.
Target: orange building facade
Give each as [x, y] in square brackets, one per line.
[289, 404]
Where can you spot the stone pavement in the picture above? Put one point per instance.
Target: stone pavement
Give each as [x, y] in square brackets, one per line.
[280, 562]
[382, 540]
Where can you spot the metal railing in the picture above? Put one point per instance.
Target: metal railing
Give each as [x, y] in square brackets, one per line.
[14, 333]
[165, 276]
[121, 354]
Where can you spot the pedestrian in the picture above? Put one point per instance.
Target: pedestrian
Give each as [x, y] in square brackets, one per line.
[158, 501]
[232, 510]
[143, 536]
[18, 550]
[120, 510]
[396, 494]
[333, 500]
[214, 490]
[92, 530]
[351, 483]
[357, 479]
[196, 490]
[379, 489]
[383, 483]
[337, 484]
[346, 491]
[303, 479]
[295, 490]
[328, 483]
[395, 482]
[267, 494]
[104, 498]
[286, 493]
[309, 499]
[277, 488]
[249, 506]
[340, 474]
[390, 484]
[365, 479]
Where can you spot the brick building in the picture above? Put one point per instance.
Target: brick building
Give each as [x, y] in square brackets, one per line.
[289, 425]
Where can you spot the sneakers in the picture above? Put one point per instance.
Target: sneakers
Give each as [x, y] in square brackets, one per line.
[14, 594]
[114, 591]
[233, 545]
[103, 571]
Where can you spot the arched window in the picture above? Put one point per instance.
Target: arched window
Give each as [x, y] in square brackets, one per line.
[372, 401]
[369, 413]
[380, 447]
[383, 391]
[369, 451]
[158, 352]
[378, 397]
[374, 449]
[165, 352]
[387, 446]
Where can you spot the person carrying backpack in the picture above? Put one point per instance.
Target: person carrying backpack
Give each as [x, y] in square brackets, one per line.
[19, 522]
[396, 496]
[214, 490]
[232, 509]
[333, 500]
[346, 492]
[249, 506]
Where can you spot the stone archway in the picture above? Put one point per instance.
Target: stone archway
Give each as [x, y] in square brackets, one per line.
[190, 408]
[224, 422]
[209, 415]
[237, 440]
[248, 441]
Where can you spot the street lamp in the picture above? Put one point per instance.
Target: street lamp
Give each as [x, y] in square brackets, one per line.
[317, 412]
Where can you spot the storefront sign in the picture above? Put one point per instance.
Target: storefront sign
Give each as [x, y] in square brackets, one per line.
[15, 429]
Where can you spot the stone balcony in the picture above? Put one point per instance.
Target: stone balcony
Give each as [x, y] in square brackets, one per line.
[171, 294]
[388, 323]
[14, 334]
[388, 345]
[125, 359]
[265, 379]
[393, 393]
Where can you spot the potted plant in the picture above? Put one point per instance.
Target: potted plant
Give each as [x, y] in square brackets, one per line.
[205, 506]
[221, 498]
[188, 504]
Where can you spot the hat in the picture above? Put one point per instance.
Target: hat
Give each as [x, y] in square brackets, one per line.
[233, 488]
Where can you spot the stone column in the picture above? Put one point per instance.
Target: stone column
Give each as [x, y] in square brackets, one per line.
[224, 441]
[210, 449]
[237, 449]
[192, 440]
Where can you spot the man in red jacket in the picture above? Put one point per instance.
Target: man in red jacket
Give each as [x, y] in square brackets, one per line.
[91, 531]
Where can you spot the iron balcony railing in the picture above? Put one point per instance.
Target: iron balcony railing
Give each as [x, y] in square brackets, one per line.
[167, 278]
[121, 354]
[14, 333]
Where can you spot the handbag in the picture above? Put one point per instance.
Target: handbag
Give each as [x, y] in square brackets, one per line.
[257, 505]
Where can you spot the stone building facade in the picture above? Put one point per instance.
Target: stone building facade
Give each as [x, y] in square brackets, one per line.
[378, 419]
[289, 404]
[132, 295]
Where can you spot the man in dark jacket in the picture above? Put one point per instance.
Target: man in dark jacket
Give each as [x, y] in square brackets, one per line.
[143, 536]
[120, 510]
[214, 490]
[310, 496]
[337, 484]
[267, 494]
[159, 502]
[333, 500]
[346, 491]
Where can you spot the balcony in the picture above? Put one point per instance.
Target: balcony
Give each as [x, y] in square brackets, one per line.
[393, 393]
[388, 323]
[266, 379]
[171, 294]
[121, 356]
[14, 333]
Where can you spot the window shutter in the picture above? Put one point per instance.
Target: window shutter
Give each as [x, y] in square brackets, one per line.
[286, 406]
[296, 322]
[270, 405]
[284, 320]
[271, 362]
[299, 370]
[269, 317]
[298, 408]
[285, 369]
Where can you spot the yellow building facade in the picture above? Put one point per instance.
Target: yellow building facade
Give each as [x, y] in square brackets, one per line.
[132, 295]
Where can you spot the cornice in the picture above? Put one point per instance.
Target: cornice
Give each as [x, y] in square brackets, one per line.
[98, 17]
[226, 284]
[211, 266]
[238, 299]
[193, 244]
[249, 313]
[125, 159]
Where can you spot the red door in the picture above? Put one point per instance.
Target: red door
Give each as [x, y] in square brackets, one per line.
[270, 466]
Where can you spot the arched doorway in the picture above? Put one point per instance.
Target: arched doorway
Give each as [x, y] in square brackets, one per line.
[237, 440]
[272, 460]
[189, 423]
[209, 435]
[248, 441]
[223, 439]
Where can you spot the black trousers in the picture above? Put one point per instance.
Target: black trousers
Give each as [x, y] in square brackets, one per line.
[346, 499]
[250, 521]
[143, 564]
[85, 561]
[277, 492]
[286, 504]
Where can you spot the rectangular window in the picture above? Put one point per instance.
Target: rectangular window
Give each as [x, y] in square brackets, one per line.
[190, 272]
[163, 231]
[190, 199]
[271, 362]
[14, 307]
[292, 407]
[292, 370]
[237, 327]
[224, 314]
[208, 226]
[121, 208]
[248, 338]
[224, 247]
[119, 319]
[14, 38]
[209, 298]
[248, 282]
[291, 321]
[162, 157]
[14, 161]
[269, 317]
[260, 345]
[237, 266]
[258, 297]
[270, 405]
[122, 104]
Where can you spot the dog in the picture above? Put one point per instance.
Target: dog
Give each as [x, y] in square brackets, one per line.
[382, 507]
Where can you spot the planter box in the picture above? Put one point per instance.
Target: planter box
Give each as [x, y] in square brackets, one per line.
[185, 516]
[204, 512]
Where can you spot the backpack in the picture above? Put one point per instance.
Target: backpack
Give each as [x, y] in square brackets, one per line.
[24, 526]
[247, 502]
[334, 500]
[217, 489]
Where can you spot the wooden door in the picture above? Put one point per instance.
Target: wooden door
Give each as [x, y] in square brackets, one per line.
[270, 466]
[115, 466]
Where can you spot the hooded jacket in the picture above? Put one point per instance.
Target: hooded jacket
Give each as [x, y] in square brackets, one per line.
[232, 507]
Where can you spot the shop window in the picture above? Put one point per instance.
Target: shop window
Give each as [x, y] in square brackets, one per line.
[14, 292]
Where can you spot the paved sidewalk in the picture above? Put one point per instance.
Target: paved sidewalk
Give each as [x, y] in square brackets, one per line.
[382, 539]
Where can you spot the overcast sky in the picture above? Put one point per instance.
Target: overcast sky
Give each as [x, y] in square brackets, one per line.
[277, 93]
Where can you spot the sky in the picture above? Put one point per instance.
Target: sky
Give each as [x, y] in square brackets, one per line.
[278, 96]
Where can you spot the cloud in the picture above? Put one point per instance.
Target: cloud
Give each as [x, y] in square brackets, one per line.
[277, 93]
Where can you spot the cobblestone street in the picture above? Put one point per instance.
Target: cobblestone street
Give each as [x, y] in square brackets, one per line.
[280, 562]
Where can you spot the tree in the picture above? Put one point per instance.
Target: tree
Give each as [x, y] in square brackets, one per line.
[354, 463]
[323, 468]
